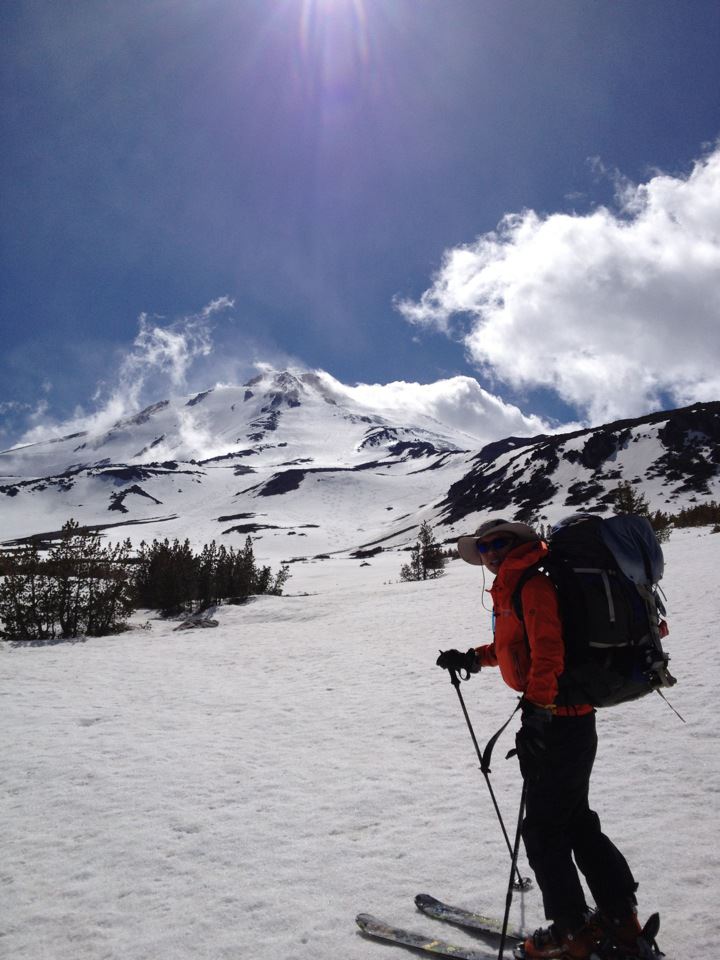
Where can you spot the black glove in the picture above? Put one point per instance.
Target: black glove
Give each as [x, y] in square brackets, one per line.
[531, 739]
[454, 660]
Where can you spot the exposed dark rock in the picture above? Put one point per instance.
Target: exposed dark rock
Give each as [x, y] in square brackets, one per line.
[44, 541]
[137, 473]
[289, 399]
[439, 462]
[357, 418]
[143, 416]
[361, 554]
[198, 398]
[369, 465]
[149, 447]
[125, 474]
[533, 493]
[377, 435]
[389, 536]
[117, 500]
[251, 528]
[491, 451]
[691, 435]
[479, 489]
[197, 623]
[601, 445]
[702, 420]
[547, 454]
[283, 482]
[413, 448]
[692, 439]
[288, 480]
[263, 425]
[314, 381]
[579, 493]
[249, 452]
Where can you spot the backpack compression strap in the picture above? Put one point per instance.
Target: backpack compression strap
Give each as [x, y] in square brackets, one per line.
[516, 598]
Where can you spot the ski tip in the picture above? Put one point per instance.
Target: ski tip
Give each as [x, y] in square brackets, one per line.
[362, 920]
[652, 927]
[425, 900]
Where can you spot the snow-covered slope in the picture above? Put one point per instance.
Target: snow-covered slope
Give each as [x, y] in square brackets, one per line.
[307, 471]
[673, 459]
[245, 791]
[282, 456]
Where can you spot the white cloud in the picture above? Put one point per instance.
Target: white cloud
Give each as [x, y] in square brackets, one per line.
[459, 402]
[613, 310]
[159, 360]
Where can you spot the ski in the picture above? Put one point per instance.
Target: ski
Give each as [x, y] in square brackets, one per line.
[419, 941]
[465, 918]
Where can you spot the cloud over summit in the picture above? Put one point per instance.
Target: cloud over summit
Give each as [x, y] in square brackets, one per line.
[160, 359]
[459, 402]
[614, 310]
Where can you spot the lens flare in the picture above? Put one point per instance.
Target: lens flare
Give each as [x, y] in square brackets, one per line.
[326, 23]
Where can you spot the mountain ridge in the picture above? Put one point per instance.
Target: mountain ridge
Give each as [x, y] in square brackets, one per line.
[336, 475]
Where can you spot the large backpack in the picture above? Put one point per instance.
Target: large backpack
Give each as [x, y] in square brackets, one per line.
[606, 572]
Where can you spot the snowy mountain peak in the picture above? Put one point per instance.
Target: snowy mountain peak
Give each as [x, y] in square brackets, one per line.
[295, 459]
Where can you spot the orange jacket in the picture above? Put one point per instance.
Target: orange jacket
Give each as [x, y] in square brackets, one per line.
[531, 658]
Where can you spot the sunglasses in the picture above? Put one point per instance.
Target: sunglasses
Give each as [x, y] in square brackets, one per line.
[499, 543]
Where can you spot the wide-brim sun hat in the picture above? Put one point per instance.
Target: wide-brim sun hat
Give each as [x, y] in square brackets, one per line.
[467, 545]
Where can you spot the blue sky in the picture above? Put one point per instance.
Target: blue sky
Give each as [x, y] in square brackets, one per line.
[331, 175]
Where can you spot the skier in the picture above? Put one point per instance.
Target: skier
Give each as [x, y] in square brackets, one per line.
[556, 747]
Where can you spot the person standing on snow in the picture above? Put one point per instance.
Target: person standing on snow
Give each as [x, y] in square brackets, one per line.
[556, 746]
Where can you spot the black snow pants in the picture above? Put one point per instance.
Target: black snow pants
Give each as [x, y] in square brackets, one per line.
[560, 825]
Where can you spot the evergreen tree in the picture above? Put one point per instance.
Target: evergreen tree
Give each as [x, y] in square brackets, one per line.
[627, 499]
[82, 588]
[166, 578]
[171, 578]
[27, 604]
[698, 515]
[426, 557]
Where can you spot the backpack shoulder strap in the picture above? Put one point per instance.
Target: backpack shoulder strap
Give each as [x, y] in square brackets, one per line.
[516, 599]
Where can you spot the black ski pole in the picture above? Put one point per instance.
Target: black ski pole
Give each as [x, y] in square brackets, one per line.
[523, 883]
[513, 868]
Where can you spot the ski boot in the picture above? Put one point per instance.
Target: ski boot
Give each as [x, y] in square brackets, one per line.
[556, 943]
[626, 940]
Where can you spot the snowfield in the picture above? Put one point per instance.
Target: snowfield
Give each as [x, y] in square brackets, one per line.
[245, 791]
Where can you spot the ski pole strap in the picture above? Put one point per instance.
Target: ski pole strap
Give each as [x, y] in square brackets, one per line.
[487, 752]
